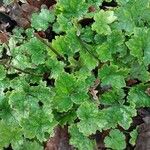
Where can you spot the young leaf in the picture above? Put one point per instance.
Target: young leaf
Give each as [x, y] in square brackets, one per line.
[95, 2]
[26, 145]
[88, 60]
[102, 21]
[90, 119]
[62, 24]
[2, 72]
[111, 75]
[61, 45]
[121, 115]
[122, 2]
[139, 71]
[139, 96]
[68, 91]
[74, 8]
[129, 17]
[133, 138]
[37, 124]
[37, 50]
[115, 140]
[79, 140]
[56, 68]
[111, 97]
[42, 20]
[9, 133]
[64, 88]
[104, 53]
[139, 45]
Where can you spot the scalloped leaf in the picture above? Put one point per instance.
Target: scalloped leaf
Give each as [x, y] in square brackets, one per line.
[102, 21]
[115, 140]
[79, 140]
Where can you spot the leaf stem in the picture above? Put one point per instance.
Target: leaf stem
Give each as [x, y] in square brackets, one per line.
[85, 47]
[24, 71]
[50, 46]
[5, 63]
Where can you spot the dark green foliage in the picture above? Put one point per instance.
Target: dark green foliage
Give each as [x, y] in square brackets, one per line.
[44, 84]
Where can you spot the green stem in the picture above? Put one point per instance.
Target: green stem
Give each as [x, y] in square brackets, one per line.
[85, 47]
[25, 71]
[50, 46]
[5, 63]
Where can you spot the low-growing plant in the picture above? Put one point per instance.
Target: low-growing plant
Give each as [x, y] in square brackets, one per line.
[92, 76]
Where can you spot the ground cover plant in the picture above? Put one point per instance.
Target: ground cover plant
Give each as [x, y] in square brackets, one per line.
[80, 64]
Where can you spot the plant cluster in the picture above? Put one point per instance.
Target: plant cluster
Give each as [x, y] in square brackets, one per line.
[47, 83]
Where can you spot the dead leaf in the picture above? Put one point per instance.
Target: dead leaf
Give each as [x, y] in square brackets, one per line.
[92, 9]
[60, 141]
[93, 90]
[143, 140]
[22, 14]
[147, 91]
[3, 9]
[29, 9]
[4, 37]
[131, 82]
[39, 3]
[16, 13]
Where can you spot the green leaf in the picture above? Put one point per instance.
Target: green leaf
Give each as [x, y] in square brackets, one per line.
[133, 135]
[139, 96]
[56, 67]
[102, 21]
[113, 45]
[37, 50]
[115, 41]
[30, 32]
[61, 45]
[42, 93]
[2, 72]
[74, 8]
[90, 119]
[115, 140]
[38, 123]
[64, 88]
[139, 45]
[19, 102]
[95, 2]
[19, 83]
[88, 60]
[111, 97]
[67, 118]
[73, 41]
[139, 71]
[9, 133]
[104, 53]
[68, 91]
[42, 20]
[129, 17]
[24, 101]
[29, 54]
[6, 113]
[26, 145]
[62, 24]
[118, 114]
[79, 140]
[111, 75]
[87, 34]
[122, 2]
[62, 102]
